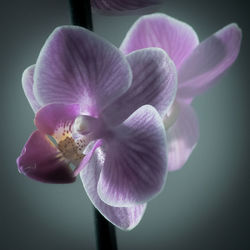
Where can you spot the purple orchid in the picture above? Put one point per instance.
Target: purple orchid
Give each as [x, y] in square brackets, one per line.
[198, 66]
[88, 96]
[122, 5]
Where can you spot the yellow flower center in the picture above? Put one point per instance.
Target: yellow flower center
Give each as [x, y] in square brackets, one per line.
[71, 150]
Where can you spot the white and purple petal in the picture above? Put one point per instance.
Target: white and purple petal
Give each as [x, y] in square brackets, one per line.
[135, 166]
[41, 160]
[182, 129]
[77, 66]
[208, 61]
[177, 38]
[27, 84]
[125, 218]
[154, 83]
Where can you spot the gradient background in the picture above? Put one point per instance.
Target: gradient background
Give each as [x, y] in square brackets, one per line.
[204, 206]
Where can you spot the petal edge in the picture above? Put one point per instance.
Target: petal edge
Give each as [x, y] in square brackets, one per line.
[136, 163]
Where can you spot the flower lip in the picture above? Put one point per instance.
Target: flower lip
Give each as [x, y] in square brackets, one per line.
[57, 121]
[42, 161]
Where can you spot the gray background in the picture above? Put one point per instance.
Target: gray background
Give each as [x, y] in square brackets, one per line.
[204, 206]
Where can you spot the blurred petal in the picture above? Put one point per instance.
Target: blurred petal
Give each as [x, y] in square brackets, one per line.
[135, 166]
[125, 218]
[27, 83]
[121, 5]
[77, 66]
[177, 38]
[182, 136]
[41, 161]
[208, 61]
[51, 117]
[154, 82]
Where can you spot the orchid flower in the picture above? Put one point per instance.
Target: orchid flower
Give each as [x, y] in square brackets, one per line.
[122, 5]
[87, 98]
[198, 66]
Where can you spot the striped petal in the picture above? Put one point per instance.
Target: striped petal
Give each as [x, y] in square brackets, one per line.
[154, 83]
[125, 218]
[208, 62]
[77, 66]
[177, 38]
[135, 166]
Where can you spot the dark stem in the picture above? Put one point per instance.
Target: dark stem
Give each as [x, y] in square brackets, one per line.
[105, 232]
[81, 13]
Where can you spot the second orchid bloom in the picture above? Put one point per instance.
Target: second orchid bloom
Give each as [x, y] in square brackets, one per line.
[198, 66]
